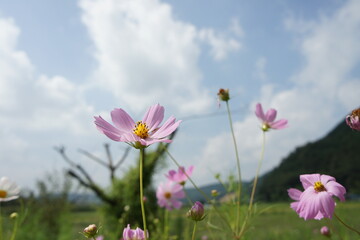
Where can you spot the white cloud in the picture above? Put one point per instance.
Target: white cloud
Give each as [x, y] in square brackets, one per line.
[322, 93]
[37, 112]
[146, 55]
[260, 66]
[220, 44]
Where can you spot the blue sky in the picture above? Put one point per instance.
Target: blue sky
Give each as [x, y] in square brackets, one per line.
[62, 62]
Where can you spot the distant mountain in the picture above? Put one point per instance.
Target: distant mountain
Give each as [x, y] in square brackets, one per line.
[195, 195]
[337, 154]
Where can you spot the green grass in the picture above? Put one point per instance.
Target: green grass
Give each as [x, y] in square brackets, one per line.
[272, 221]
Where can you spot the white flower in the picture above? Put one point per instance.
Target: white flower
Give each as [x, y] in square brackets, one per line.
[8, 190]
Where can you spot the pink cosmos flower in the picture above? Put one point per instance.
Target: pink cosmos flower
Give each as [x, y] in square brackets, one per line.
[316, 202]
[139, 134]
[353, 119]
[181, 175]
[137, 234]
[168, 195]
[268, 119]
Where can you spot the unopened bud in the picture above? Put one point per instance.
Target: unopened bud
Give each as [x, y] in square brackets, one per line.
[91, 231]
[126, 208]
[325, 231]
[14, 215]
[223, 94]
[196, 212]
[214, 193]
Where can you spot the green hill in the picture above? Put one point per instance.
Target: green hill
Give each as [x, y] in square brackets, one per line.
[337, 154]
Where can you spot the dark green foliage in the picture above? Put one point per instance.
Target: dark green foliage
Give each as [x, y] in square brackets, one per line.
[337, 154]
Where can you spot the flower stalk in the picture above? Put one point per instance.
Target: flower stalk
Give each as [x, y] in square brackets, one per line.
[141, 166]
[238, 169]
[251, 202]
[16, 218]
[194, 231]
[346, 225]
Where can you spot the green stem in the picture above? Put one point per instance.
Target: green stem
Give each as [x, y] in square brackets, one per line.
[257, 173]
[166, 224]
[194, 231]
[15, 229]
[238, 168]
[141, 165]
[200, 191]
[254, 186]
[349, 227]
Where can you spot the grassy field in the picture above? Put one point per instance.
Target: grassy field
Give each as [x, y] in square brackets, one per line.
[276, 221]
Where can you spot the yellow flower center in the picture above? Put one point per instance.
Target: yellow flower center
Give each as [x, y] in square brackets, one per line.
[319, 187]
[356, 112]
[141, 130]
[3, 194]
[265, 127]
[167, 195]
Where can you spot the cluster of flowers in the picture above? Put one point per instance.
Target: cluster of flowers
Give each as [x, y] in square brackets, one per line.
[316, 202]
[169, 193]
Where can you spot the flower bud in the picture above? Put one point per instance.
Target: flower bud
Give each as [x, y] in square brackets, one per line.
[223, 94]
[14, 215]
[214, 193]
[137, 234]
[127, 208]
[196, 212]
[90, 231]
[325, 231]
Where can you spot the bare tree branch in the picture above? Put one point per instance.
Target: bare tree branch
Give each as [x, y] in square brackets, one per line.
[96, 159]
[122, 159]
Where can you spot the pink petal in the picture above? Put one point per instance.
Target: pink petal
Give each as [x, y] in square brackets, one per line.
[308, 180]
[149, 141]
[130, 137]
[326, 178]
[190, 170]
[294, 194]
[279, 124]
[270, 115]
[122, 120]
[309, 205]
[176, 204]
[154, 116]
[259, 112]
[165, 130]
[336, 189]
[327, 204]
[170, 175]
[108, 129]
[294, 205]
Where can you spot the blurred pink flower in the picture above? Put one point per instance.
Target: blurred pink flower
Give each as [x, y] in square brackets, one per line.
[142, 133]
[353, 119]
[137, 234]
[325, 231]
[100, 237]
[181, 175]
[168, 195]
[268, 119]
[316, 202]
